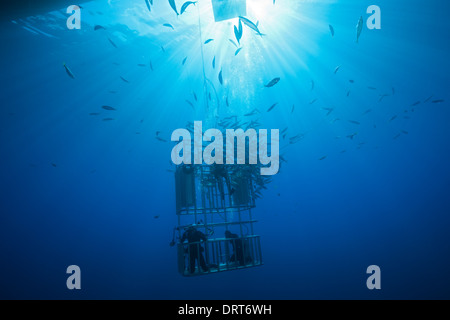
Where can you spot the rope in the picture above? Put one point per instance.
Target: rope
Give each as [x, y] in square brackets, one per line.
[203, 59]
[205, 79]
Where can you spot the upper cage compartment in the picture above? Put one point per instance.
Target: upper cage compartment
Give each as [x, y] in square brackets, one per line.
[228, 9]
[215, 189]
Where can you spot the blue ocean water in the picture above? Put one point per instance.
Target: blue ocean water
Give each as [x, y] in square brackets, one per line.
[79, 189]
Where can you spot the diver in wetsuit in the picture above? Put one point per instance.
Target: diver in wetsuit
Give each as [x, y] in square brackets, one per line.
[194, 237]
[238, 248]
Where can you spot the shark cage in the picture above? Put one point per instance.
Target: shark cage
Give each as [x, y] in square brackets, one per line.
[214, 208]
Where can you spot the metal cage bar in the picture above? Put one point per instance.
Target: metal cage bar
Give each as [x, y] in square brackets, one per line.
[217, 262]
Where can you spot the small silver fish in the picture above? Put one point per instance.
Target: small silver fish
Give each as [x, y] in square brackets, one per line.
[68, 71]
[113, 44]
[330, 110]
[250, 24]
[148, 6]
[174, 6]
[331, 30]
[359, 28]
[393, 118]
[272, 82]
[186, 5]
[238, 32]
[427, 99]
[191, 104]
[273, 106]
[337, 69]
[234, 43]
[220, 77]
[168, 25]
[382, 96]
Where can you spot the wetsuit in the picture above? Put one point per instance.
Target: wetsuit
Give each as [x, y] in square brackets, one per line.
[238, 248]
[194, 237]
